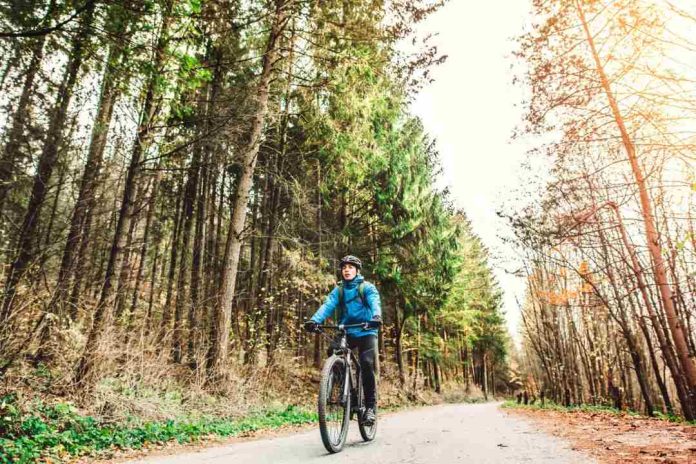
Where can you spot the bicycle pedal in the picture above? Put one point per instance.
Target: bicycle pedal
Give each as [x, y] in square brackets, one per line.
[368, 419]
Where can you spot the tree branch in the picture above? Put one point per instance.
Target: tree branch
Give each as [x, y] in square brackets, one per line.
[50, 29]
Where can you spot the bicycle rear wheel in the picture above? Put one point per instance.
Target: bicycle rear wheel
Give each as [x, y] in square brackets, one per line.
[334, 410]
[367, 432]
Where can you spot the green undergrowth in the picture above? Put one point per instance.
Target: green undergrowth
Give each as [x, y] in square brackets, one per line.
[550, 405]
[57, 432]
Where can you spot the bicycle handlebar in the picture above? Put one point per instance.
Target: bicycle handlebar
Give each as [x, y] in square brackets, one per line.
[364, 325]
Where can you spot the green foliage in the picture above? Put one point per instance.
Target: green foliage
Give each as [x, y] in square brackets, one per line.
[598, 408]
[550, 405]
[425, 259]
[673, 418]
[58, 431]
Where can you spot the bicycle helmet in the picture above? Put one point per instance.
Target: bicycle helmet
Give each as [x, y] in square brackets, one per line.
[350, 259]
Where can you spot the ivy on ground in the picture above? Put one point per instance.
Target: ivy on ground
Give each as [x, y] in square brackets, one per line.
[58, 431]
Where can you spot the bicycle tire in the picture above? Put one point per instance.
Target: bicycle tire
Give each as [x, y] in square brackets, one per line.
[330, 391]
[367, 432]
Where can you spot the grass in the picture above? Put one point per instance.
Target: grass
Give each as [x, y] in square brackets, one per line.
[550, 405]
[58, 432]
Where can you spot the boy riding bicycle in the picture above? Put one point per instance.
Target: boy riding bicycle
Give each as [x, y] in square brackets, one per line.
[354, 301]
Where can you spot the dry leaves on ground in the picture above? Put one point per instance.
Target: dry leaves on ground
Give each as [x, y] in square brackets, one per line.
[614, 439]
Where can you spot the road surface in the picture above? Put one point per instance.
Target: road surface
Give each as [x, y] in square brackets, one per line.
[453, 433]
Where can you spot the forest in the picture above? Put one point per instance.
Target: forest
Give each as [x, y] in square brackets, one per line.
[609, 249]
[179, 178]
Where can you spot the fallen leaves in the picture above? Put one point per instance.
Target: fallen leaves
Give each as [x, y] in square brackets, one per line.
[614, 439]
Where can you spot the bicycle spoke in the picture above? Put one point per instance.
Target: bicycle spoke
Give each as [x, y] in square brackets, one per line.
[335, 409]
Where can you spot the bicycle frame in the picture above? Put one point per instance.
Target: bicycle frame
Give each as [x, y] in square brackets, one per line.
[351, 361]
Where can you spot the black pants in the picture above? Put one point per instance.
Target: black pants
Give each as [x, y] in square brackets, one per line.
[367, 349]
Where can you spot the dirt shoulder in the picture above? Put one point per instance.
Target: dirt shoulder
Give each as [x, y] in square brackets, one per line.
[614, 438]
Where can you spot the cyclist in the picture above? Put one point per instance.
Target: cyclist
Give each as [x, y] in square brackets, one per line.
[354, 301]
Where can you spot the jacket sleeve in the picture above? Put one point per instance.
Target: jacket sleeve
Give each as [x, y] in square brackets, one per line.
[327, 309]
[373, 299]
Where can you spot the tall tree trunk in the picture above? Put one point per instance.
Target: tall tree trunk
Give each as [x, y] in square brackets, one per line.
[195, 303]
[49, 154]
[273, 331]
[416, 356]
[622, 319]
[203, 174]
[213, 154]
[12, 151]
[80, 221]
[251, 313]
[484, 375]
[167, 310]
[101, 314]
[48, 234]
[126, 268]
[653, 361]
[266, 304]
[398, 334]
[217, 357]
[182, 301]
[665, 292]
[662, 335]
[190, 201]
[153, 284]
[142, 258]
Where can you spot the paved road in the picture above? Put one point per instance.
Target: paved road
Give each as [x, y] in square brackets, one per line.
[460, 433]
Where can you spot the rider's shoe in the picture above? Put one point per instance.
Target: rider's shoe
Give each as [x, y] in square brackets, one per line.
[369, 417]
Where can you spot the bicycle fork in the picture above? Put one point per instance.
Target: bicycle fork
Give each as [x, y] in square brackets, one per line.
[346, 383]
[350, 381]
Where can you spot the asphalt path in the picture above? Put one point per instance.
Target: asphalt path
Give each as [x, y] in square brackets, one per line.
[452, 433]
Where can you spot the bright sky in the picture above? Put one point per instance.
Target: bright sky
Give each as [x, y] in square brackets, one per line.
[472, 109]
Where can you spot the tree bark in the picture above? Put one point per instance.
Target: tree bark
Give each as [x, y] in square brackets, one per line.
[167, 310]
[182, 301]
[398, 333]
[102, 312]
[81, 219]
[27, 234]
[217, 356]
[12, 150]
[665, 292]
[142, 258]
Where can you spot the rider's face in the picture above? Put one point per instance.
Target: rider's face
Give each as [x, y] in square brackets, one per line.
[349, 271]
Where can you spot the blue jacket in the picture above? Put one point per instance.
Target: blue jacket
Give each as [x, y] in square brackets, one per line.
[355, 311]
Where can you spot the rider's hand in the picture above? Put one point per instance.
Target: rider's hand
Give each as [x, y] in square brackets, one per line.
[310, 326]
[376, 322]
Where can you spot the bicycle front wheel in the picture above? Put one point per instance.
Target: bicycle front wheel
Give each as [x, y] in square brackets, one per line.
[334, 409]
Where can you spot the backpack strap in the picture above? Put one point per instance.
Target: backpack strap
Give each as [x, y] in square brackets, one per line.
[341, 307]
[361, 294]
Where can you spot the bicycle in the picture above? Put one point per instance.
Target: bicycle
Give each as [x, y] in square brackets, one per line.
[341, 381]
